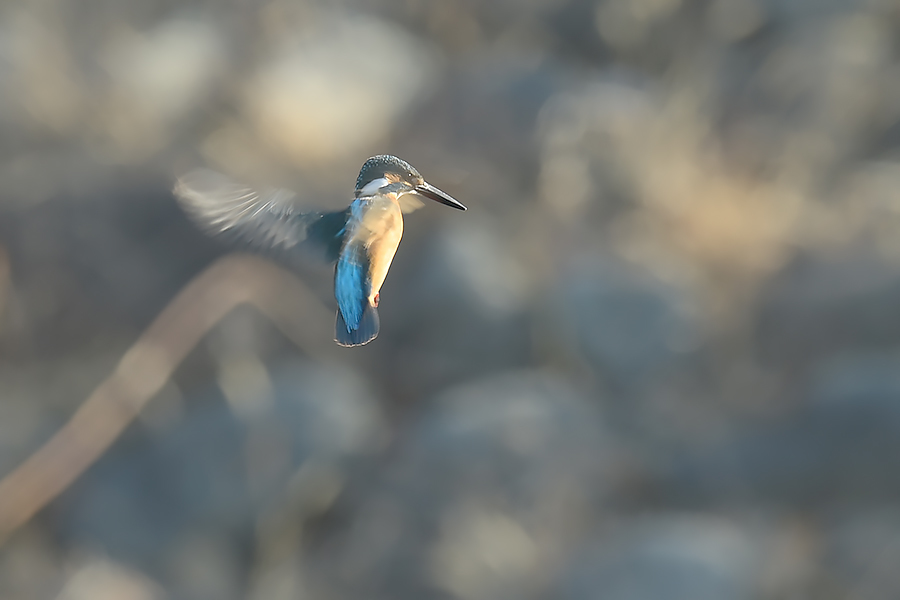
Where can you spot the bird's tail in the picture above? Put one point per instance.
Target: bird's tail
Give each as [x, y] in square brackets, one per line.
[364, 333]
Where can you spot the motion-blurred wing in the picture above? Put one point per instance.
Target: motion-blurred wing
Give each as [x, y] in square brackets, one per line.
[268, 219]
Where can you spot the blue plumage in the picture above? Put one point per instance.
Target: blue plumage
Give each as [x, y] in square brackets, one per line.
[350, 289]
[357, 321]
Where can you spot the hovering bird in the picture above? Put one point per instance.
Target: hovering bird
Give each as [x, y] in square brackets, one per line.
[360, 239]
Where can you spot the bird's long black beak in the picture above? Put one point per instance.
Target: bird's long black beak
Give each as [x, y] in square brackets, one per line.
[429, 191]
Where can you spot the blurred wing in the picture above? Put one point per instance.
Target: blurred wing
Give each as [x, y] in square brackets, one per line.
[409, 203]
[267, 219]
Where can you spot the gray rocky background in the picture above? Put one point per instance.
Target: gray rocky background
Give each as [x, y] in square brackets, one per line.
[658, 358]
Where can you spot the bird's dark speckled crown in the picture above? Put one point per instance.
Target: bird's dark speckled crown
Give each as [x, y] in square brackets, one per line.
[377, 166]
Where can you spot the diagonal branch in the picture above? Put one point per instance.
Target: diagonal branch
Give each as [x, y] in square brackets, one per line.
[148, 364]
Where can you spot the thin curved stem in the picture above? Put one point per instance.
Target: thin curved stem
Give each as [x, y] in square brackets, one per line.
[145, 368]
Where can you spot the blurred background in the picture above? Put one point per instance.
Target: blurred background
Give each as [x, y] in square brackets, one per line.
[657, 358]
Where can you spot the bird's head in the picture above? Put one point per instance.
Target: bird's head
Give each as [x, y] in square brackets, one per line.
[388, 174]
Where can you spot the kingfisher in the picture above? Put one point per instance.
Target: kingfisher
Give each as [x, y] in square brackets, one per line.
[360, 240]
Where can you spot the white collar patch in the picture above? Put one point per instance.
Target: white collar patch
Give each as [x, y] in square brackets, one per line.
[371, 188]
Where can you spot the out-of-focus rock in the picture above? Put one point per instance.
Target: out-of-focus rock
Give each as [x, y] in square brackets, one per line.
[862, 550]
[39, 78]
[112, 270]
[673, 557]
[31, 567]
[486, 270]
[338, 88]
[819, 306]
[631, 326]
[624, 25]
[840, 449]
[106, 580]
[491, 484]
[629, 162]
[156, 78]
[735, 20]
[204, 564]
[196, 489]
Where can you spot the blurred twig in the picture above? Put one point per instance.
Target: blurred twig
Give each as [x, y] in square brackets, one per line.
[149, 363]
